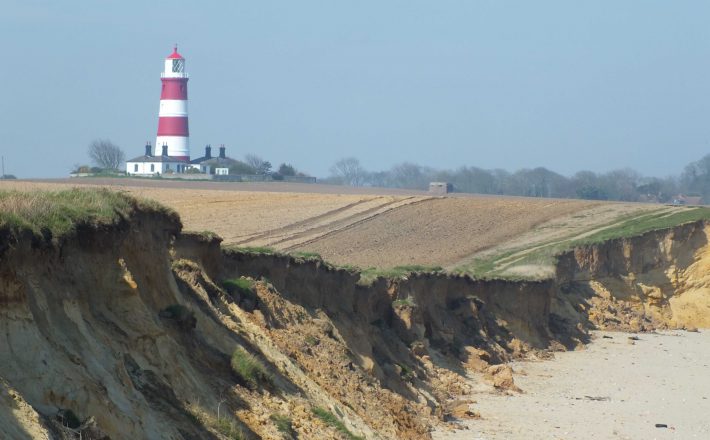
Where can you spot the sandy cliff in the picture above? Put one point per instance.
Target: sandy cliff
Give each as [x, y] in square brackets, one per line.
[128, 328]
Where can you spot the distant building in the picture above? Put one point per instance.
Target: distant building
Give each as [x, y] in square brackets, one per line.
[440, 188]
[149, 165]
[681, 199]
[208, 164]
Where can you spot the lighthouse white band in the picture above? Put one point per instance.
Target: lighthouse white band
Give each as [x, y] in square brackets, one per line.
[177, 145]
[173, 107]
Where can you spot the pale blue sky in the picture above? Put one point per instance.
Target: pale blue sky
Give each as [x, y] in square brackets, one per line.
[564, 84]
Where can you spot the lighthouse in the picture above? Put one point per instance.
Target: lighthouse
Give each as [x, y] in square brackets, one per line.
[173, 131]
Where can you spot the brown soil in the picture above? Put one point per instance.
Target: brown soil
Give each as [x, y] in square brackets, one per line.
[375, 227]
[437, 232]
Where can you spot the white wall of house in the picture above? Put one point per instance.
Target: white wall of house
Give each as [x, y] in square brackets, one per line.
[142, 168]
[151, 168]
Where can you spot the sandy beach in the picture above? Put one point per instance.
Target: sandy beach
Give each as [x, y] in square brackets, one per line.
[615, 388]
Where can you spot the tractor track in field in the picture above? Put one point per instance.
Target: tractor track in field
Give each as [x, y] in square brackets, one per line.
[310, 230]
[376, 212]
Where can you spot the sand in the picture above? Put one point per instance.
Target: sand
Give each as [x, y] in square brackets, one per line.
[609, 390]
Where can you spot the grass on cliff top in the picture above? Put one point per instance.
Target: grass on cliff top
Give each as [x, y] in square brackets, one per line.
[58, 213]
[255, 250]
[653, 221]
[498, 266]
[369, 275]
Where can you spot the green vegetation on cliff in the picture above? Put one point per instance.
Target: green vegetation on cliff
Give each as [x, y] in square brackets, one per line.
[54, 214]
[504, 264]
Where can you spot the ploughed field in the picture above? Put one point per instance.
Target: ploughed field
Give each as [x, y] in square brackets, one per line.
[483, 235]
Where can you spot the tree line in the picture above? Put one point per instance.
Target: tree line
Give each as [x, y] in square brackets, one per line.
[622, 184]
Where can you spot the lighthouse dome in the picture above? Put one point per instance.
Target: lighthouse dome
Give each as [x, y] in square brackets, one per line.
[175, 55]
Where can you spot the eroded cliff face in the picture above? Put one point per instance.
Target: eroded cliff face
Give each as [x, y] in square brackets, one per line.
[657, 280]
[91, 336]
[130, 329]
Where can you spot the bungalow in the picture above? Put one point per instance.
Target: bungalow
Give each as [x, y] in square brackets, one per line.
[213, 165]
[149, 165]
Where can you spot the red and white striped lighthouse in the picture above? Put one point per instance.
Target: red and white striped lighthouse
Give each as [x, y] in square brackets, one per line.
[172, 122]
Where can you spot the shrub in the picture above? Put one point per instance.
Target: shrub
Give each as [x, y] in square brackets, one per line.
[283, 425]
[244, 290]
[249, 368]
[329, 419]
[241, 286]
[406, 373]
[311, 340]
[286, 169]
[408, 302]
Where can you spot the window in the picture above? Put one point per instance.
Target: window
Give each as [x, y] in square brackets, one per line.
[152, 167]
[178, 65]
[135, 168]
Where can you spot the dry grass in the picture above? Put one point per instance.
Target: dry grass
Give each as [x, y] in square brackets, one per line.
[55, 214]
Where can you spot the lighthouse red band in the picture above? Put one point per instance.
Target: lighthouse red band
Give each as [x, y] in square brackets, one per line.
[173, 128]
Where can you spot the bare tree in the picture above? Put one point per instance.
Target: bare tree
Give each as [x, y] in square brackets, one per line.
[259, 165]
[106, 154]
[349, 171]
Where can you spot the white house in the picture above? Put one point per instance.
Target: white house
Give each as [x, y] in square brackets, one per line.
[209, 165]
[149, 165]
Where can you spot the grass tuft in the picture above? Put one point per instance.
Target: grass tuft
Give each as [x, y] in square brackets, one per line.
[404, 302]
[309, 256]
[207, 236]
[329, 419]
[249, 368]
[284, 425]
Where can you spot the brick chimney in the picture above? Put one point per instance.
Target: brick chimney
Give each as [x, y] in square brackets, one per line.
[221, 152]
[148, 149]
[208, 152]
[165, 149]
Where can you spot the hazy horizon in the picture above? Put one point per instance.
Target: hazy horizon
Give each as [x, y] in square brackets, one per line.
[512, 85]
